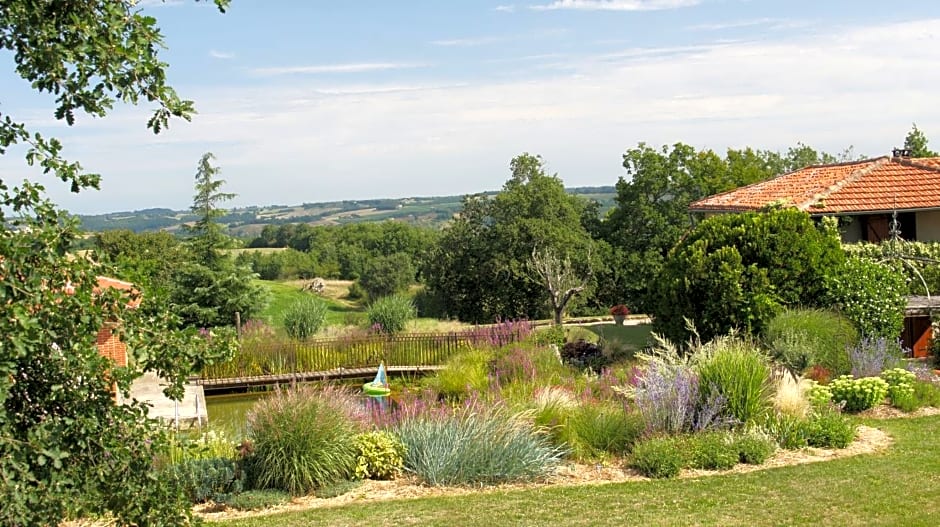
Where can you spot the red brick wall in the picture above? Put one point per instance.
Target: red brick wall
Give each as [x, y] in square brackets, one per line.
[109, 345]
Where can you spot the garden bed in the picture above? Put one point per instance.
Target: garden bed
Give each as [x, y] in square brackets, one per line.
[869, 440]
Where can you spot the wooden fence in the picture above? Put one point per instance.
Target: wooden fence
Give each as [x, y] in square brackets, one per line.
[275, 356]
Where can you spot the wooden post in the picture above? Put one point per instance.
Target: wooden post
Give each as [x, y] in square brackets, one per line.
[238, 325]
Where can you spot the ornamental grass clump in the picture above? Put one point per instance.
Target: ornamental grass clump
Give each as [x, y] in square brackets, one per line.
[463, 374]
[304, 318]
[800, 338]
[390, 314]
[739, 372]
[303, 438]
[598, 430]
[475, 444]
[790, 394]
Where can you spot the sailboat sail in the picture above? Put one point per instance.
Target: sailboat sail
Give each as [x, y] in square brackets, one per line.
[380, 378]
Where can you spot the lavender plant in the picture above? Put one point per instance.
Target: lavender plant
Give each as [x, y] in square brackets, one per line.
[501, 333]
[872, 356]
[666, 396]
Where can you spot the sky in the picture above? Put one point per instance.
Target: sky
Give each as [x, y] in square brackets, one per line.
[307, 101]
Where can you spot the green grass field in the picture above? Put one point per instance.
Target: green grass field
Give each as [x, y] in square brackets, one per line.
[898, 487]
[283, 294]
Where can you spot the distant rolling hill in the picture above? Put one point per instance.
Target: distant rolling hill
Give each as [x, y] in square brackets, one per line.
[248, 221]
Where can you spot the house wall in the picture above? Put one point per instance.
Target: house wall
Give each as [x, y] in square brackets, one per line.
[110, 346]
[928, 226]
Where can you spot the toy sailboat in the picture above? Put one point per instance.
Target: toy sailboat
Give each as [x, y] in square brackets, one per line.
[378, 387]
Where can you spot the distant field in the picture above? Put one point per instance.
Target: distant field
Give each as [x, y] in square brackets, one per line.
[248, 221]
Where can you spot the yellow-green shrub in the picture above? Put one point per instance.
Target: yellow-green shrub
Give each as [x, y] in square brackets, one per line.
[379, 455]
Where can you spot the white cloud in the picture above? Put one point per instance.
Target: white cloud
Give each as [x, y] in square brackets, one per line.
[222, 55]
[616, 5]
[469, 42]
[359, 67]
[735, 24]
[506, 8]
[494, 39]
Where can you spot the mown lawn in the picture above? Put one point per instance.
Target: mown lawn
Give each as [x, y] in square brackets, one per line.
[898, 487]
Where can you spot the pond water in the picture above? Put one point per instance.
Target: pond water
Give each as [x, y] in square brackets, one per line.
[230, 412]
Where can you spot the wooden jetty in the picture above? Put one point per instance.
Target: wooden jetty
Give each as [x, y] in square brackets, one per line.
[235, 383]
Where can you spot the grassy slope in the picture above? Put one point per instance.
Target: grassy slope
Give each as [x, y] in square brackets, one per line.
[898, 487]
[283, 294]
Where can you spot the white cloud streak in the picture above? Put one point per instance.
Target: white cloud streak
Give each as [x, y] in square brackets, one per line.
[221, 55]
[505, 8]
[359, 67]
[615, 5]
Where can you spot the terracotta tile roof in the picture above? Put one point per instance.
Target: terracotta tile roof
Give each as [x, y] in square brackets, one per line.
[873, 185]
[112, 283]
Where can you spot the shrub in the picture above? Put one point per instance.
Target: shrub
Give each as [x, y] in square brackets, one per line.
[475, 445]
[858, 394]
[387, 275]
[356, 291]
[870, 294]
[872, 356]
[754, 447]
[600, 429]
[252, 500]
[658, 457]
[391, 313]
[917, 265]
[739, 270]
[303, 438]
[548, 336]
[800, 338]
[380, 455]
[739, 372]
[201, 445]
[206, 479]
[900, 386]
[712, 451]
[305, 317]
[819, 395]
[830, 429]
[926, 393]
[582, 354]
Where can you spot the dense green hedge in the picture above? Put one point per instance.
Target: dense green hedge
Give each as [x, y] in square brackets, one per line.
[739, 270]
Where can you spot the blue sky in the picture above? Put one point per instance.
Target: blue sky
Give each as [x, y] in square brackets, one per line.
[305, 101]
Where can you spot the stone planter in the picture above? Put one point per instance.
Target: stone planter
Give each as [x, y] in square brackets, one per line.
[618, 319]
